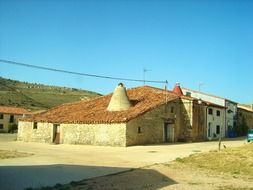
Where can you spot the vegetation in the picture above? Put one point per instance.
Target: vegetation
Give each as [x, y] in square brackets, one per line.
[38, 96]
[233, 161]
[12, 127]
[242, 129]
[5, 154]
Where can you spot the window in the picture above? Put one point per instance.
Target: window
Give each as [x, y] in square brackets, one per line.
[210, 111]
[11, 118]
[218, 112]
[217, 129]
[139, 130]
[172, 109]
[1, 126]
[1, 115]
[35, 125]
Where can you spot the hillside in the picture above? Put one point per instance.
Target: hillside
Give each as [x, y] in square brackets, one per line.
[38, 96]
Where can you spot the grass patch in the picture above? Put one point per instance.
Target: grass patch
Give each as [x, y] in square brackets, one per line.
[234, 188]
[235, 161]
[5, 154]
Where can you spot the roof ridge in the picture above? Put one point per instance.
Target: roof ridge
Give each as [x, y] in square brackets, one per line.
[205, 93]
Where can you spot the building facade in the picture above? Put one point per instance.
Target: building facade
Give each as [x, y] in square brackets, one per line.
[227, 122]
[9, 116]
[215, 120]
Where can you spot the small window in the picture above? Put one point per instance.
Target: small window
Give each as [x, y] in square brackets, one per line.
[139, 130]
[35, 125]
[218, 112]
[172, 109]
[210, 111]
[1, 115]
[1, 126]
[217, 129]
[11, 118]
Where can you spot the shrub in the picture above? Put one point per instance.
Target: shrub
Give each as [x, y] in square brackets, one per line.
[12, 127]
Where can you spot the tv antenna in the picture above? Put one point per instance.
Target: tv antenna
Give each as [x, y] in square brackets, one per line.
[144, 74]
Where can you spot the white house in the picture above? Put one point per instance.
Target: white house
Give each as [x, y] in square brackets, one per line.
[215, 120]
[227, 118]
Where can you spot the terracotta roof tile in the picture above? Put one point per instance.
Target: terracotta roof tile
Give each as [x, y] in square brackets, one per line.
[13, 110]
[143, 99]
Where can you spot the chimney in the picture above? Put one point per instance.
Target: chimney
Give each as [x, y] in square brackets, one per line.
[177, 90]
[119, 100]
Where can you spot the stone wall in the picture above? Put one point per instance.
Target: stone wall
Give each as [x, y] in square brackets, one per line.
[149, 127]
[192, 120]
[186, 120]
[198, 122]
[93, 134]
[27, 133]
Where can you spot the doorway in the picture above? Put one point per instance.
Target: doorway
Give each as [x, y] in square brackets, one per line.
[168, 132]
[56, 133]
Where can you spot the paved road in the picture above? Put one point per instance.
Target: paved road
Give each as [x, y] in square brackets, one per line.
[53, 164]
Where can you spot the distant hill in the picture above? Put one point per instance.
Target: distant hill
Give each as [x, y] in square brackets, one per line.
[38, 96]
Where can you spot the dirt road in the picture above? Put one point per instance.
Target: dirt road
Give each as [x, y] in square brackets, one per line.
[53, 164]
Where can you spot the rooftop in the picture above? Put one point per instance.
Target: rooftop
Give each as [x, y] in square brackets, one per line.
[195, 91]
[143, 99]
[13, 110]
[245, 108]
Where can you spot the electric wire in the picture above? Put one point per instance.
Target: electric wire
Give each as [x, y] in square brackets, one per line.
[78, 73]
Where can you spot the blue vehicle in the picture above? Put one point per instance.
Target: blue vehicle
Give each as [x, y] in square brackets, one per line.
[250, 135]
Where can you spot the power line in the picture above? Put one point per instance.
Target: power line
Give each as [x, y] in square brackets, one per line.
[77, 73]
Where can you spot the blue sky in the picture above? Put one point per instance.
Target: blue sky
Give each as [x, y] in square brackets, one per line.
[177, 40]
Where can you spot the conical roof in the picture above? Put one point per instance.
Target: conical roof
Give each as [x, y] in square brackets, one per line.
[177, 89]
[119, 100]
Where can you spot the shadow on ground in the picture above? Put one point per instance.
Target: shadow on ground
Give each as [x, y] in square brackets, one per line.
[21, 177]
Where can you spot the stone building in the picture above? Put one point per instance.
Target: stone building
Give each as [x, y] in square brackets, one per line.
[10, 115]
[141, 115]
[245, 120]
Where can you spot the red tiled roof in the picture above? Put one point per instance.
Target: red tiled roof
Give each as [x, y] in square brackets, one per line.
[143, 99]
[13, 110]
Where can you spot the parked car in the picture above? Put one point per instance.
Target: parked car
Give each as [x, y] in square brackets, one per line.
[250, 135]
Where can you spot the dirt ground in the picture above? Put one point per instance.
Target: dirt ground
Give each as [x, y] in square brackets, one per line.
[170, 176]
[51, 164]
